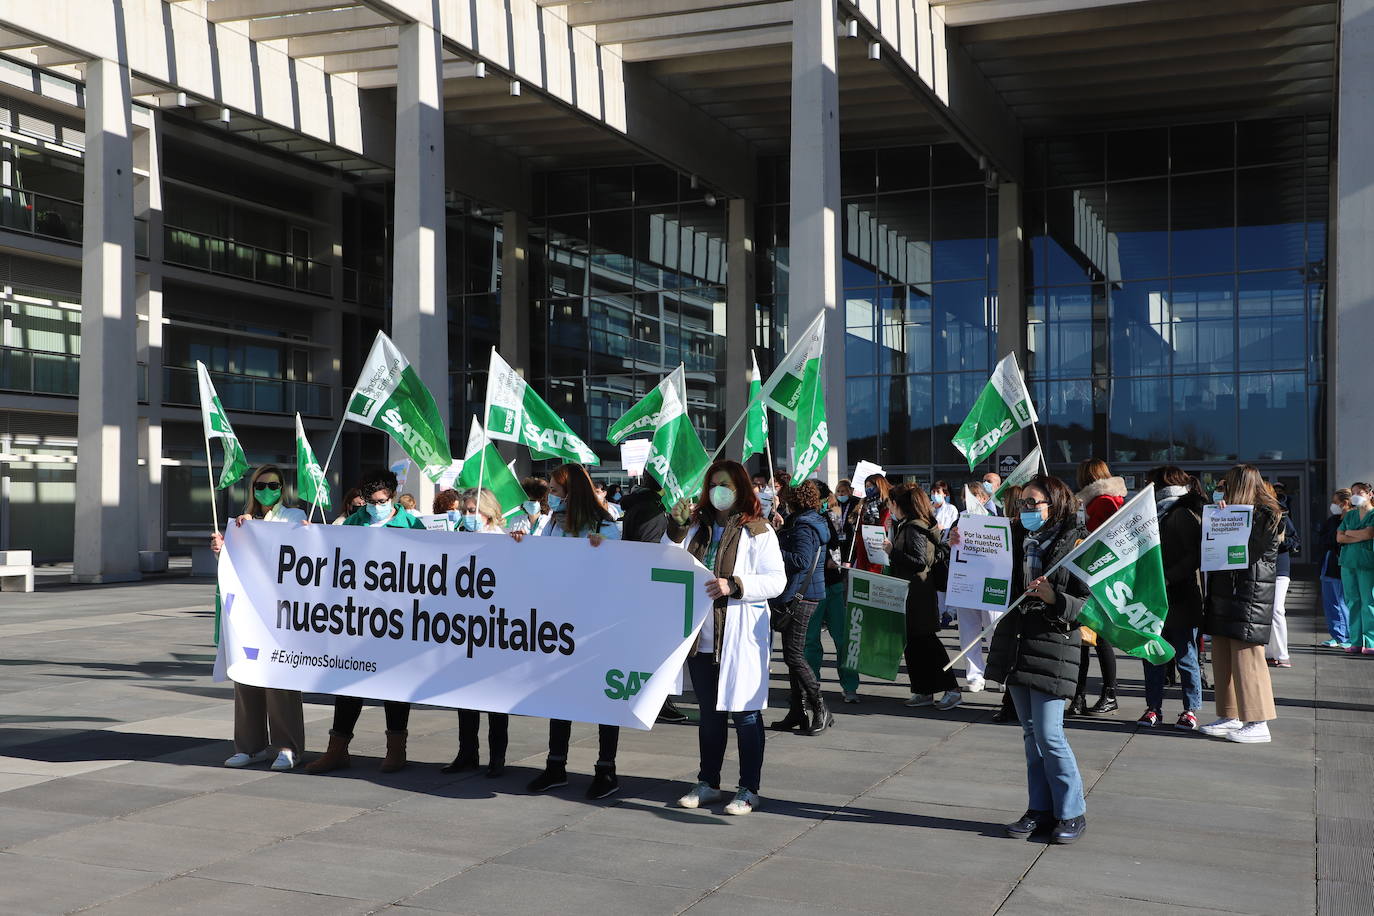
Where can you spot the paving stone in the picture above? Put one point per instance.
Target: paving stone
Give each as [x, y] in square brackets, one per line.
[121, 843]
[494, 890]
[1028, 900]
[20, 825]
[245, 814]
[42, 886]
[195, 896]
[578, 852]
[77, 795]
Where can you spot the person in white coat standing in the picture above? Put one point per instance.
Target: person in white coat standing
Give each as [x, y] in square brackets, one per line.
[726, 531]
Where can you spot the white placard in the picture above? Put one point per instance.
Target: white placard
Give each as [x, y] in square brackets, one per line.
[439, 522]
[449, 478]
[873, 536]
[980, 566]
[634, 454]
[864, 470]
[472, 621]
[1226, 537]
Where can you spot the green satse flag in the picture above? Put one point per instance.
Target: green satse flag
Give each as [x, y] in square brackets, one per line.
[677, 459]
[1022, 475]
[875, 608]
[516, 413]
[1003, 407]
[756, 423]
[311, 486]
[217, 427]
[1123, 567]
[390, 396]
[481, 461]
[796, 390]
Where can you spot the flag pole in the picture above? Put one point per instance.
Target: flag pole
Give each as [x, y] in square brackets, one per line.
[324, 471]
[1044, 467]
[733, 429]
[210, 472]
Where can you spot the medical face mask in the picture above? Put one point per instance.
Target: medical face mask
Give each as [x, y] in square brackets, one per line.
[870, 492]
[555, 503]
[723, 497]
[937, 499]
[1218, 496]
[987, 487]
[380, 511]
[1032, 521]
[1336, 509]
[766, 499]
[468, 522]
[1359, 500]
[842, 499]
[531, 507]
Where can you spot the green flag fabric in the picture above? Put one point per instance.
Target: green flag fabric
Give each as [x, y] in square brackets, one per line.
[756, 424]
[516, 413]
[311, 485]
[482, 462]
[1003, 407]
[677, 459]
[875, 609]
[1123, 567]
[390, 396]
[217, 427]
[1022, 475]
[796, 390]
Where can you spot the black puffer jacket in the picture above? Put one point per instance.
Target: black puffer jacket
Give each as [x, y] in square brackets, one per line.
[644, 518]
[1036, 645]
[1180, 541]
[1240, 604]
[910, 559]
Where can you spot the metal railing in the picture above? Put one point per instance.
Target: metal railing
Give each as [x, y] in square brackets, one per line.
[38, 372]
[42, 215]
[217, 255]
[359, 286]
[248, 392]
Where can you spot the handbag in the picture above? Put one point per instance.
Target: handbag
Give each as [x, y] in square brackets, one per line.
[786, 613]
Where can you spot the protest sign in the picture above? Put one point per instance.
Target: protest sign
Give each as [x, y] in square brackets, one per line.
[875, 606]
[980, 566]
[864, 470]
[461, 620]
[634, 455]
[1226, 537]
[873, 536]
[440, 522]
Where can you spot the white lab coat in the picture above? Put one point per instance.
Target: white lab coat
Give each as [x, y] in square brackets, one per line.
[747, 644]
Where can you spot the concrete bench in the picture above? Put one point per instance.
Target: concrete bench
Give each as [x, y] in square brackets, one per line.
[16, 570]
[203, 559]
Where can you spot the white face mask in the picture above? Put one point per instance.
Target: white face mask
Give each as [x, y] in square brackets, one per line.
[1359, 500]
[1336, 509]
[722, 498]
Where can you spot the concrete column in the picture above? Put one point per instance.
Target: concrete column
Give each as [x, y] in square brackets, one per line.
[1350, 415]
[1011, 295]
[107, 412]
[419, 303]
[814, 212]
[148, 304]
[515, 313]
[740, 297]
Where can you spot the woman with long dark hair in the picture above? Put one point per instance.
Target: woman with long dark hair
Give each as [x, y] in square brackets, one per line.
[729, 664]
[873, 509]
[1035, 654]
[578, 513]
[913, 549]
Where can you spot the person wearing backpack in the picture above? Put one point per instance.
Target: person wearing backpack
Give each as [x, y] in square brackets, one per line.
[916, 554]
[803, 540]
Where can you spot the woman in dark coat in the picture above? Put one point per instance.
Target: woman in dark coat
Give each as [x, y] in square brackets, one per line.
[1035, 653]
[803, 540]
[912, 551]
[1239, 616]
[1178, 503]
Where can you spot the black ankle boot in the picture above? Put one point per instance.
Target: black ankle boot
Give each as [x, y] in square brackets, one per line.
[795, 718]
[1077, 707]
[821, 717]
[1106, 703]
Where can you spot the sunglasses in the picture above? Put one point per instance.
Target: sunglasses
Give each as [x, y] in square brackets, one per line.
[1033, 503]
[267, 486]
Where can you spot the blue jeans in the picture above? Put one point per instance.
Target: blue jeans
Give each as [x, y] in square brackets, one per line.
[712, 733]
[1333, 605]
[1052, 779]
[1185, 656]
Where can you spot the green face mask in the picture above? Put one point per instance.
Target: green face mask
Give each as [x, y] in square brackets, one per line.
[267, 497]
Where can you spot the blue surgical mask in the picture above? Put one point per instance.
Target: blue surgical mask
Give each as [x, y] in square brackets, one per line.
[842, 499]
[937, 499]
[870, 492]
[531, 507]
[1218, 496]
[468, 522]
[380, 511]
[987, 487]
[1032, 520]
[555, 503]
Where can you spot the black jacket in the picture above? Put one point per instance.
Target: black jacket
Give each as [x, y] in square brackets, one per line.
[1328, 551]
[1036, 645]
[1180, 541]
[799, 538]
[1240, 604]
[644, 518]
[910, 558]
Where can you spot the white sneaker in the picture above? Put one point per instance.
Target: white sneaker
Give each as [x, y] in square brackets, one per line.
[976, 685]
[743, 803]
[920, 699]
[286, 760]
[1250, 733]
[851, 697]
[1221, 727]
[701, 794]
[243, 760]
[950, 699]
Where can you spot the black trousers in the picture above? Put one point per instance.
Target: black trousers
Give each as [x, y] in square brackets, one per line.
[348, 709]
[1106, 660]
[498, 733]
[560, 733]
[925, 657]
[799, 673]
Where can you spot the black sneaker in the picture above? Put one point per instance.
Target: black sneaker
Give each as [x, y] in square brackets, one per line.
[670, 713]
[604, 783]
[1031, 823]
[1068, 831]
[553, 777]
[464, 761]
[495, 767]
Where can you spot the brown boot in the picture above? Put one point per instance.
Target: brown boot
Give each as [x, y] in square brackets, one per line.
[395, 752]
[335, 757]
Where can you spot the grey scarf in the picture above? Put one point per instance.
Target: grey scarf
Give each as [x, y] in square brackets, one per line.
[1165, 497]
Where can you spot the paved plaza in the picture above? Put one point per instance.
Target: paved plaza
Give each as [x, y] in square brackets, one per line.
[113, 800]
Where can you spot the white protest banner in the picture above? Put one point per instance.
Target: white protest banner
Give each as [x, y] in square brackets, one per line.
[873, 536]
[473, 621]
[634, 454]
[980, 566]
[864, 470]
[1226, 537]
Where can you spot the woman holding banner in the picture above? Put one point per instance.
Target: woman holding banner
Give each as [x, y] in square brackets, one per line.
[1035, 654]
[479, 511]
[725, 530]
[269, 724]
[380, 510]
[912, 554]
[578, 513]
[1239, 616]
